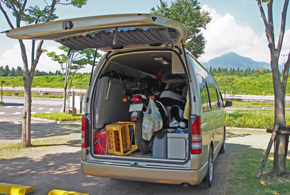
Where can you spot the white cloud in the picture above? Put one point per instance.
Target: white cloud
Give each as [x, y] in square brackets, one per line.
[12, 58]
[285, 47]
[224, 35]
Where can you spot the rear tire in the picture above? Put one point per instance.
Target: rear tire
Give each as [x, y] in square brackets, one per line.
[208, 179]
[143, 145]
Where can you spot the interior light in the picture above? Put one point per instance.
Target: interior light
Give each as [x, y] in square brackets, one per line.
[162, 60]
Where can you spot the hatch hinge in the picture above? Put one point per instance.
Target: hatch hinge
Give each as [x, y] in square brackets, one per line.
[66, 25]
[115, 36]
[171, 43]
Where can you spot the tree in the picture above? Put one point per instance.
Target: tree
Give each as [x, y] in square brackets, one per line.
[18, 71]
[1, 71]
[6, 71]
[281, 142]
[12, 72]
[189, 13]
[24, 15]
[74, 61]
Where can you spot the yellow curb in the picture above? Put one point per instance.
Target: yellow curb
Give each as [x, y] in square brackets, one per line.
[14, 189]
[63, 192]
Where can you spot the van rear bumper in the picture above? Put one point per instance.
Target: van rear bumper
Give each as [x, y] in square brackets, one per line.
[155, 175]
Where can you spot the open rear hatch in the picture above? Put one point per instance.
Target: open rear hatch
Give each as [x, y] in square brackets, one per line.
[107, 32]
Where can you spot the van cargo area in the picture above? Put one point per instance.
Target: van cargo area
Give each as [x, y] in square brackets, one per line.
[158, 75]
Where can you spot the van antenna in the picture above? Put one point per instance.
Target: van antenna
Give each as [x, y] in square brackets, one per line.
[95, 56]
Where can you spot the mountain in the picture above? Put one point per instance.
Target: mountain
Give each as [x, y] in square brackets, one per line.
[233, 60]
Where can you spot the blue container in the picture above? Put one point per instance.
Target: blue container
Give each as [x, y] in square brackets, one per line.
[180, 131]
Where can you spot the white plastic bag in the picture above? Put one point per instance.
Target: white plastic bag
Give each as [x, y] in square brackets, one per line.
[152, 121]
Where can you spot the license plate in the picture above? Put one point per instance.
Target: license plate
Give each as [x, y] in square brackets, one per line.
[135, 107]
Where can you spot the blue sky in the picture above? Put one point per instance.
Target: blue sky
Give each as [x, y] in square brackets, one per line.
[235, 27]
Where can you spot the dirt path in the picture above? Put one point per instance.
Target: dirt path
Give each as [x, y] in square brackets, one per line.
[59, 168]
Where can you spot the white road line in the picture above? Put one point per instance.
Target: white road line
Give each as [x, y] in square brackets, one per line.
[20, 107]
[47, 112]
[17, 113]
[40, 108]
[8, 107]
[33, 112]
[2, 112]
[16, 122]
[51, 109]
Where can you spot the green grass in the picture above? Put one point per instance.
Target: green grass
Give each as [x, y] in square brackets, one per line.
[232, 131]
[242, 170]
[80, 81]
[12, 150]
[241, 104]
[251, 85]
[21, 94]
[253, 119]
[59, 116]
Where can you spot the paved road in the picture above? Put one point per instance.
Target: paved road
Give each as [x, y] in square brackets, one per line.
[13, 107]
[59, 168]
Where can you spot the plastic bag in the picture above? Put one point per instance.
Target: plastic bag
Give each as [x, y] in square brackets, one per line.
[152, 121]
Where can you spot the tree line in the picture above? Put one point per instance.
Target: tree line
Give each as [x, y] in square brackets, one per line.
[238, 71]
[6, 71]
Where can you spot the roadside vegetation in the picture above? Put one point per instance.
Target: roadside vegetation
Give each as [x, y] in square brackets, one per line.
[59, 116]
[254, 119]
[257, 82]
[21, 94]
[240, 104]
[80, 81]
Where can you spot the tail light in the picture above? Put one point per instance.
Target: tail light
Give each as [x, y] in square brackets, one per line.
[84, 129]
[196, 138]
[136, 98]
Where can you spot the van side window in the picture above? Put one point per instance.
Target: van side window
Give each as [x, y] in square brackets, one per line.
[213, 97]
[203, 93]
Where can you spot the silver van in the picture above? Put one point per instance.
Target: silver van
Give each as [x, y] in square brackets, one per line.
[152, 112]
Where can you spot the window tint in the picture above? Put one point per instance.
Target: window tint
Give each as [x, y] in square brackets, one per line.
[203, 93]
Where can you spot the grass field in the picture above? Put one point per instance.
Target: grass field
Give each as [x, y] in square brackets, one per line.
[240, 104]
[242, 171]
[253, 119]
[251, 85]
[80, 81]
